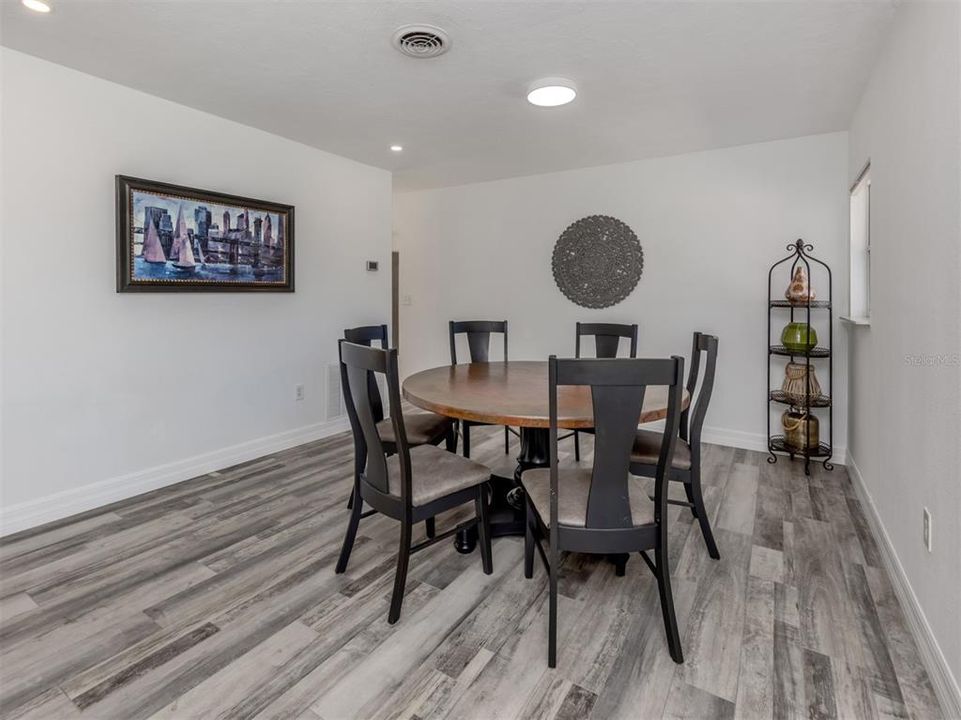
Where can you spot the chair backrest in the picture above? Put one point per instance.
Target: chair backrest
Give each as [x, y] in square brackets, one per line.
[360, 362]
[364, 335]
[617, 387]
[478, 334]
[692, 419]
[607, 337]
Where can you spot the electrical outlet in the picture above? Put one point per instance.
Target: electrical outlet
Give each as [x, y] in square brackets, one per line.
[298, 392]
[406, 300]
[926, 529]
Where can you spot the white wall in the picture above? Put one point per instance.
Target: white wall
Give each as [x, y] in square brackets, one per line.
[905, 439]
[710, 225]
[108, 394]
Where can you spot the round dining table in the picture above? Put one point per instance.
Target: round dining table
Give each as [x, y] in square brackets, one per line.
[513, 393]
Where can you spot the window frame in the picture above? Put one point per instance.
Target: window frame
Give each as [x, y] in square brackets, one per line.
[859, 249]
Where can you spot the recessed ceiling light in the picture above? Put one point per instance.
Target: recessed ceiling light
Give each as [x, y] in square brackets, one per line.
[551, 92]
[396, 148]
[36, 5]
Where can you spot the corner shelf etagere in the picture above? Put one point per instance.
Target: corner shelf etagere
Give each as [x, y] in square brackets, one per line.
[801, 254]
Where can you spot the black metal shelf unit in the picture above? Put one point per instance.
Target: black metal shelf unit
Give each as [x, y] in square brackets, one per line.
[800, 254]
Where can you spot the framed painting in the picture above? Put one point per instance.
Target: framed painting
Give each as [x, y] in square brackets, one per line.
[179, 239]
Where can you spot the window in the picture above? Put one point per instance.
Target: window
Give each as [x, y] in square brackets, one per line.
[860, 280]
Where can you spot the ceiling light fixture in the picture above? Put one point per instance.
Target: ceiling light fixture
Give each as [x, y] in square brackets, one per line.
[396, 148]
[551, 92]
[36, 5]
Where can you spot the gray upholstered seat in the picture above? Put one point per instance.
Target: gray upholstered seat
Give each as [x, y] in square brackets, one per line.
[421, 427]
[573, 487]
[647, 447]
[435, 473]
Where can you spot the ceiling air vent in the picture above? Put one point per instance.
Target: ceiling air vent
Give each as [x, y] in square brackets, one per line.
[421, 41]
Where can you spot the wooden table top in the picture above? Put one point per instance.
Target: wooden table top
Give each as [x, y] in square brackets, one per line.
[513, 393]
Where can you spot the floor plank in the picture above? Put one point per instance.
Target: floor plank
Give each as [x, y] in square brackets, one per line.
[755, 679]
[690, 703]
[715, 629]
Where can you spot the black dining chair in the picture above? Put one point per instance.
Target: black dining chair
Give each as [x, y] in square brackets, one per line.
[423, 428]
[607, 339]
[686, 467]
[415, 483]
[478, 334]
[604, 509]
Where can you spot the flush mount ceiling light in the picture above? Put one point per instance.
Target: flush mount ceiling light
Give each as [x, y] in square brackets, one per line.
[421, 41]
[396, 148]
[36, 5]
[551, 92]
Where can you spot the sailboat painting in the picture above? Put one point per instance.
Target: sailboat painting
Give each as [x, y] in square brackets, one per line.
[175, 238]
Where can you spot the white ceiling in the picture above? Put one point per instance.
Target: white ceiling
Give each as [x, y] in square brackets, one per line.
[654, 78]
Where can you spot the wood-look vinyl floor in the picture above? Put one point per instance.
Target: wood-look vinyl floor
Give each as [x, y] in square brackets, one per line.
[216, 598]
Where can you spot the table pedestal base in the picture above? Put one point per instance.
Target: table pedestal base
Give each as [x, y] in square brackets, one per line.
[507, 512]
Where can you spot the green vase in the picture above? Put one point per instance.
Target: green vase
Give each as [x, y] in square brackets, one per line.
[799, 337]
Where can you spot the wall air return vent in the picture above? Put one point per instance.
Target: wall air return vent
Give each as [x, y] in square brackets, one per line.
[421, 41]
[335, 395]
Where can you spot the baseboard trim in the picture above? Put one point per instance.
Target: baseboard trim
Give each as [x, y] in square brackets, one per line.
[734, 438]
[747, 441]
[57, 506]
[944, 683]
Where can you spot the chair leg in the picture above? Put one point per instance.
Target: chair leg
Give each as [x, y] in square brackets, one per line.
[400, 579]
[452, 438]
[484, 529]
[466, 439]
[667, 602]
[358, 469]
[700, 512]
[552, 612]
[430, 527]
[507, 441]
[620, 565]
[356, 508]
[577, 446]
[529, 541]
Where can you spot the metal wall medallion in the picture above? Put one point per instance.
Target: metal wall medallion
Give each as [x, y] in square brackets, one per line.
[597, 261]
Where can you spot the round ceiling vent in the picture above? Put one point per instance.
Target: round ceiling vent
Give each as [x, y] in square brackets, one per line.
[421, 41]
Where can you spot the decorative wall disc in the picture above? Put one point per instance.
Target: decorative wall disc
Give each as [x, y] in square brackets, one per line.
[597, 261]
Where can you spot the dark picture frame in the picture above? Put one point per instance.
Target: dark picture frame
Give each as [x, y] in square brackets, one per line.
[173, 238]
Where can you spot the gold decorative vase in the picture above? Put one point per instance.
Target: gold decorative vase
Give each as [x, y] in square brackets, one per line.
[801, 431]
[799, 292]
[800, 387]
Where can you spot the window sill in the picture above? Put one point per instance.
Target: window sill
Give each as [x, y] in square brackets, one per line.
[862, 321]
